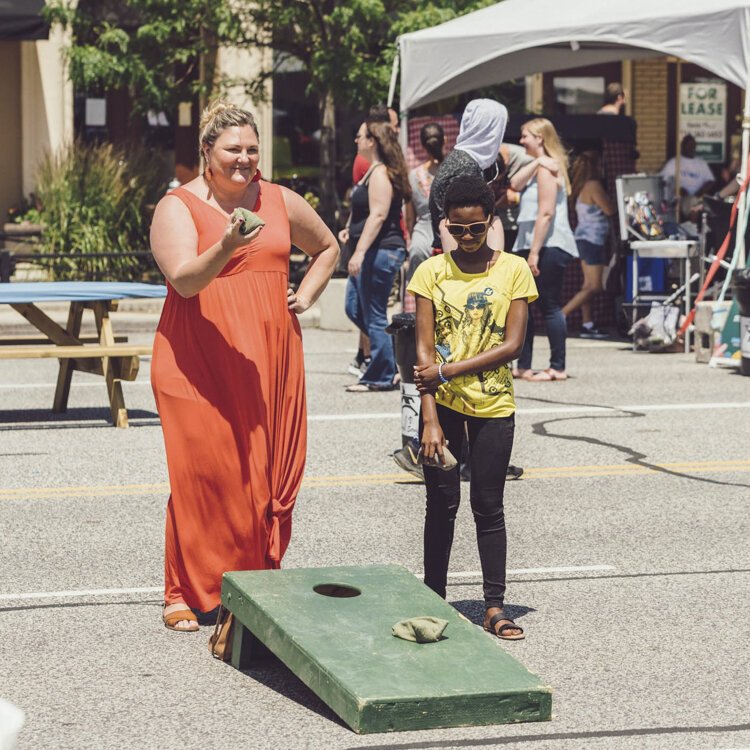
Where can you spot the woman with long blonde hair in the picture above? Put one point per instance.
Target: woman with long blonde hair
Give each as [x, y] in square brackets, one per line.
[593, 208]
[544, 239]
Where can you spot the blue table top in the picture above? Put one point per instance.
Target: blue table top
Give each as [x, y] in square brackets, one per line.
[77, 291]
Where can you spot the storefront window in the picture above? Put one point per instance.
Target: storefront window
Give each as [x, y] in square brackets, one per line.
[578, 95]
[296, 123]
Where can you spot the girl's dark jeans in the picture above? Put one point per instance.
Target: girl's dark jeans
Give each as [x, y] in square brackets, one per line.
[549, 283]
[491, 442]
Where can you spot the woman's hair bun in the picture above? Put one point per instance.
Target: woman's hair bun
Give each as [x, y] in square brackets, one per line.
[220, 115]
[215, 108]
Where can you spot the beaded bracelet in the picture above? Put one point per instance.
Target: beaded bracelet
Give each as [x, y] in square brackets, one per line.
[442, 377]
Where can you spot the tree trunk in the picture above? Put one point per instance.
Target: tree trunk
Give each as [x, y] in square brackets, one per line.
[207, 59]
[327, 107]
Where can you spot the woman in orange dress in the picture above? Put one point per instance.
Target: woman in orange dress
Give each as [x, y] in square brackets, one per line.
[227, 370]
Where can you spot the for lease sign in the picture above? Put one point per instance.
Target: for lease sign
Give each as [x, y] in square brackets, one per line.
[703, 114]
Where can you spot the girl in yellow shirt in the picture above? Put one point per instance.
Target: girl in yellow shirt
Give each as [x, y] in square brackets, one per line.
[472, 308]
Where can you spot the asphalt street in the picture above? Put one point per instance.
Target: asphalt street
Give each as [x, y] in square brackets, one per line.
[628, 554]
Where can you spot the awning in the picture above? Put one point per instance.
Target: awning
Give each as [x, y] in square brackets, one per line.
[22, 20]
[520, 37]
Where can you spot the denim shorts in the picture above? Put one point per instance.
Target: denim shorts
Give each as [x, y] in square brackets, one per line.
[591, 254]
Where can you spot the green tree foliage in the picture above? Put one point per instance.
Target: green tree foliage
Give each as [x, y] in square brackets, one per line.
[348, 47]
[348, 50]
[154, 48]
[163, 51]
[160, 51]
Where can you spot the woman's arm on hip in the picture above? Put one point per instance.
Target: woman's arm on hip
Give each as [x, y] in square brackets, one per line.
[311, 235]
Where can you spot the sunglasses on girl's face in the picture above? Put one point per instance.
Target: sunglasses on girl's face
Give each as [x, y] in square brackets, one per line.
[477, 229]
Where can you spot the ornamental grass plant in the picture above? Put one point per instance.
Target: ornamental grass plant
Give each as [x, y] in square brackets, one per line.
[95, 203]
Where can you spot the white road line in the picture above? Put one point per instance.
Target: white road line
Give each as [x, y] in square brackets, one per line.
[79, 593]
[352, 417]
[93, 384]
[523, 571]
[522, 411]
[159, 589]
[140, 421]
[562, 409]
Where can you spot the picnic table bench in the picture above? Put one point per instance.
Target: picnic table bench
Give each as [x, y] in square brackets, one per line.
[109, 356]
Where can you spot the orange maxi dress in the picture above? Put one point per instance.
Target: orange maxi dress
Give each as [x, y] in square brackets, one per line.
[228, 378]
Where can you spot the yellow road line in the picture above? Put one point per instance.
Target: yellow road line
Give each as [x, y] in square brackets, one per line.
[358, 480]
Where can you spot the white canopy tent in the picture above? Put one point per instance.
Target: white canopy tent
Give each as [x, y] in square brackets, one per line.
[520, 37]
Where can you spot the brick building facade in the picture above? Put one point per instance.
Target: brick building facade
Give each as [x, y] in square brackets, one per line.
[651, 86]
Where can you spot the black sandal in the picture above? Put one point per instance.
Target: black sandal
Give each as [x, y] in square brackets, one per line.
[510, 625]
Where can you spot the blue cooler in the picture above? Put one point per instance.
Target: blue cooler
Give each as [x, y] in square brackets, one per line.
[652, 277]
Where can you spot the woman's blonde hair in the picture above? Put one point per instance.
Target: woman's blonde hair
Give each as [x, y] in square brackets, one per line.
[220, 115]
[587, 166]
[542, 128]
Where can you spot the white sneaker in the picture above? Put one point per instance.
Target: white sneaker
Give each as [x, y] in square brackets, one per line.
[356, 367]
[593, 333]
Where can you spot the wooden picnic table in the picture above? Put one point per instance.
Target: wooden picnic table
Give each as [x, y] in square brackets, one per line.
[107, 355]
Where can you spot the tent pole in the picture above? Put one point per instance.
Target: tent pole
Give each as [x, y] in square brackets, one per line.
[394, 77]
[404, 116]
[739, 243]
[677, 180]
[403, 136]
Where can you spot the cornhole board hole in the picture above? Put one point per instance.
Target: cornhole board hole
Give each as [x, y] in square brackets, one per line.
[332, 628]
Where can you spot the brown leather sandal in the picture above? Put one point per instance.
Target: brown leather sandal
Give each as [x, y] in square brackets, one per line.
[171, 620]
[501, 632]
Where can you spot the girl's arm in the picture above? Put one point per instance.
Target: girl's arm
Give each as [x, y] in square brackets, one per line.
[427, 375]
[496, 235]
[410, 217]
[600, 198]
[433, 439]
[311, 235]
[523, 176]
[547, 200]
[380, 195]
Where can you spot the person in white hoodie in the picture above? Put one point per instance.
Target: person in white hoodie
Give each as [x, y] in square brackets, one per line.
[482, 129]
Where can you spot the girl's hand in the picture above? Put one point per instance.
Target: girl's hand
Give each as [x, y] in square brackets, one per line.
[295, 303]
[433, 441]
[233, 237]
[427, 378]
[534, 263]
[355, 263]
[344, 235]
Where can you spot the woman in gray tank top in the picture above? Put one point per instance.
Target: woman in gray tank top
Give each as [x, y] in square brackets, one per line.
[545, 240]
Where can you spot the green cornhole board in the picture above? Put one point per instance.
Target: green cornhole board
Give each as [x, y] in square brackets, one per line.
[342, 648]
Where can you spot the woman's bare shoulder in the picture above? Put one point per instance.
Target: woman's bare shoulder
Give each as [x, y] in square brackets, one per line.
[170, 207]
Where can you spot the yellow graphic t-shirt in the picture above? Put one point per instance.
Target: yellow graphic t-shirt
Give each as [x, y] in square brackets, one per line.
[470, 313]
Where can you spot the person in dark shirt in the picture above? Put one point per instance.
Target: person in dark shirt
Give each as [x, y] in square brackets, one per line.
[377, 113]
[379, 249]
